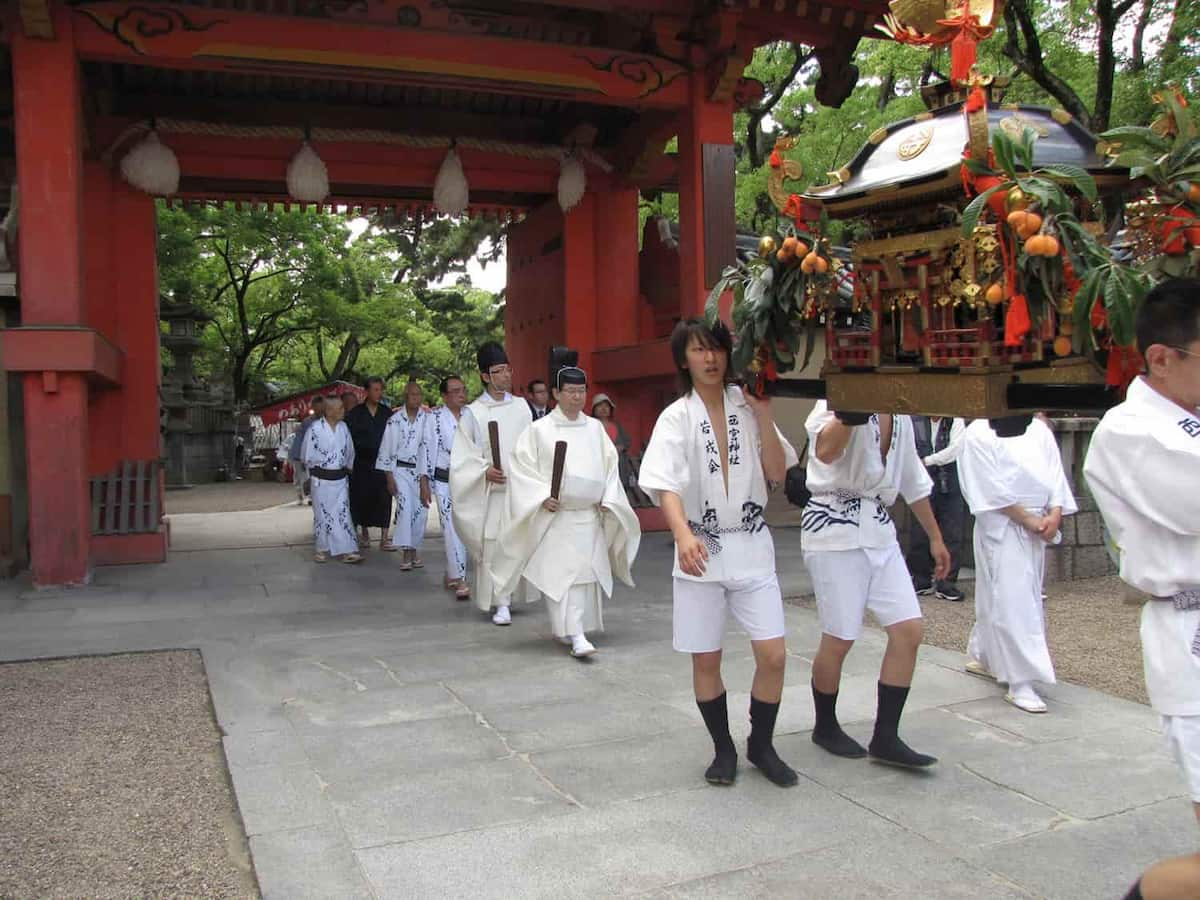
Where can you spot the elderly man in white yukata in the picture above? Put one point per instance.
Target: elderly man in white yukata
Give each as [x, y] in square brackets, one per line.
[402, 455]
[479, 486]
[440, 427]
[328, 454]
[1143, 468]
[1013, 479]
[712, 455]
[569, 544]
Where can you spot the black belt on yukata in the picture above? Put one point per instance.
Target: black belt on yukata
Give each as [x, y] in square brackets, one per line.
[404, 464]
[442, 475]
[1186, 601]
[329, 474]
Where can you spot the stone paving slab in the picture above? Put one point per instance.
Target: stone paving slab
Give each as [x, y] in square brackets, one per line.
[385, 740]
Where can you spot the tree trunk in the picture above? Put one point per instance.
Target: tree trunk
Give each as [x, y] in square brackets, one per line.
[1138, 63]
[887, 90]
[1018, 20]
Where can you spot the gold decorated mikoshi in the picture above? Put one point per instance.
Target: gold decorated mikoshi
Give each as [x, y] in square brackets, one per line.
[766, 246]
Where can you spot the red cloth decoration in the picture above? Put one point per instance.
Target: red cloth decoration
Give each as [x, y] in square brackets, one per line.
[1099, 316]
[775, 159]
[977, 100]
[1016, 321]
[1124, 365]
[794, 207]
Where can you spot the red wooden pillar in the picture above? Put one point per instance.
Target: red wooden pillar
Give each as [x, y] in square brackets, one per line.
[707, 230]
[579, 279]
[49, 141]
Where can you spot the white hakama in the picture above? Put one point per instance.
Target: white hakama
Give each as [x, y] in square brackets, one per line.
[572, 555]
[440, 427]
[402, 452]
[480, 506]
[329, 448]
[1009, 636]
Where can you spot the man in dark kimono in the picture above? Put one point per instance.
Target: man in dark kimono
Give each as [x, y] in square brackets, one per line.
[939, 443]
[370, 502]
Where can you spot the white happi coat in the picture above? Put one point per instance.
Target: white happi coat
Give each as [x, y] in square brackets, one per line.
[330, 448]
[402, 452]
[683, 458]
[851, 495]
[1009, 636]
[1143, 468]
[479, 505]
[571, 555]
[440, 428]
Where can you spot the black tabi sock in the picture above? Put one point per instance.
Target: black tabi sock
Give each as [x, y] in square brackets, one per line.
[759, 748]
[886, 745]
[716, 718]
[827, 733]
[1135, 892]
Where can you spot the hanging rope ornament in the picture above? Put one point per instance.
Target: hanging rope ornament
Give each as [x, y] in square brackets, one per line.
[572, 182]
[450, 188]
[307, 177]
[151, 166]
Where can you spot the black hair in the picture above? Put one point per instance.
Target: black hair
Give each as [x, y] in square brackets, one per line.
[445, 384]
[542, 381]
[372, 379]
[320, 398]
[344, 394]
[713, 337]
[1170, 314]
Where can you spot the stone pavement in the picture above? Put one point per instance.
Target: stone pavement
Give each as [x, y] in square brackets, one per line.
[386, 741]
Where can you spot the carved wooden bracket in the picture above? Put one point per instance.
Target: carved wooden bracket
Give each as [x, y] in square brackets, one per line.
[36, 19]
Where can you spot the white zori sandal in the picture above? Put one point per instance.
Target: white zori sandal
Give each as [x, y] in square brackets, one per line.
[1025, 698]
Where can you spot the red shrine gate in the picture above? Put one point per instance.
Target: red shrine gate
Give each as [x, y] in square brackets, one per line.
[382, 88]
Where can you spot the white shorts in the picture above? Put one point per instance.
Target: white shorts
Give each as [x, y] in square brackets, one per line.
[849, 582]
[700, 608]
[1183, 740]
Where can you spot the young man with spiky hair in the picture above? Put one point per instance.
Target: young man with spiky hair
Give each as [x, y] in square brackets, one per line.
[710, 462]
[1143, 468]
[478, 486]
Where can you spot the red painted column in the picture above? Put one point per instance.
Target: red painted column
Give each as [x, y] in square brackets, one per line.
[49, 141]
[704, 122]
[580, 297]
[616, 239]
[135, 265]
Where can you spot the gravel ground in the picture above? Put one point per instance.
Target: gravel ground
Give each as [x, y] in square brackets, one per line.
[113, 783]
[229, 496]
[1093, 633]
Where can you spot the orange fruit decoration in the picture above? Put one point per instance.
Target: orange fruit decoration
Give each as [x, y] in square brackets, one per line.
[995, 295]
[782, 255]
[809, 265]
[1050, 245]
[801, 249]
[1062, 345]
[789, 246]
[822, 265]
[1193, 193]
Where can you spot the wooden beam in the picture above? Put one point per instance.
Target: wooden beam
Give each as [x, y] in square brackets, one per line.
[404, 119]
[36, 19]
[221, 39]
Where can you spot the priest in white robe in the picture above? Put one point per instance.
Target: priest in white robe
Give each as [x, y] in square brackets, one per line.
[1143, 468]
[1013, 480]
[402, 455]
[478, 487]
[569, 547]
[328, 455]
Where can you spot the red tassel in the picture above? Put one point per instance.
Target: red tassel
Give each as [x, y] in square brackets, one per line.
[962, 56]
[1124, 365]
[977, 100]
[1016, 321]
[775, 160]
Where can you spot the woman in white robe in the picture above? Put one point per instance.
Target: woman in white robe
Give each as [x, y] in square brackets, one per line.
[328, 454]
[1018, 493]
[569, 550]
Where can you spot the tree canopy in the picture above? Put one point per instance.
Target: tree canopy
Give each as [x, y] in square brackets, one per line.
[302, 298]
